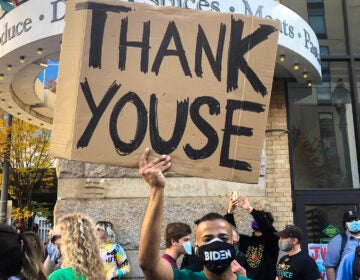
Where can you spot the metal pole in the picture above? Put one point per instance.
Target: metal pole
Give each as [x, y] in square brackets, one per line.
[5, 171]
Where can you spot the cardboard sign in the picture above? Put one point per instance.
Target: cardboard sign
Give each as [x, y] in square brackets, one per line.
[195, 85]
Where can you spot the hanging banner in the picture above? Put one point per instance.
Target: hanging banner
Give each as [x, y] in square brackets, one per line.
[192, 84]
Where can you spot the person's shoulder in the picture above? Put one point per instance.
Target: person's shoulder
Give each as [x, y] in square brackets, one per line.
[66, 273]
[304, 254]
[349, 257]
[62, 273]
[239, 277]
[283, 257]
[301, 256]
[336, 241]
[17, 277]
[244, 236]
[340, 236]
[188, 274]
[306, 258]
[118, 246]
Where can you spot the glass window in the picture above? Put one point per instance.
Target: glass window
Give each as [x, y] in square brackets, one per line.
[318, 25]
[322, 91]
[334, 26]
[357, 78]
[315, 1]
[317, 18]
[325, 221]
[354, 12]
[322, 138]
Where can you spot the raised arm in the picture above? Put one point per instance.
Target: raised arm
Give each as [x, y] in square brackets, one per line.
[229, 216]
[264, 224]
[150, 262]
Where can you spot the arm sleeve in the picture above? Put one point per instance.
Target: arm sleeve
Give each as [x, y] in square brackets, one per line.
[311, 271]
[333, 252]
[267, 229]
[264, 224]
[122, 261]
[230, 218]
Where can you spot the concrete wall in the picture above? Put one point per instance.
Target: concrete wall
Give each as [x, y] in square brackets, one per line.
[120, 196]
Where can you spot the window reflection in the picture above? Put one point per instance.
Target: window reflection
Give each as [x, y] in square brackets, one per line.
[325, 221]
[327, 20]
[354, 11]
[317, 18]
[322, 133]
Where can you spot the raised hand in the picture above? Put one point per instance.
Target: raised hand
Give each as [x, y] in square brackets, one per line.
[152, 171]
[237, 268]
[245, 203]
[232, 205]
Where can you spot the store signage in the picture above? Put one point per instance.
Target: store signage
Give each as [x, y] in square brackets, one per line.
[31, 21]
[331, 231]
[40, 19]
[295, 33]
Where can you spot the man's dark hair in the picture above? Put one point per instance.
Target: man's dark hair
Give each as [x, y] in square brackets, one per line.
[175, 231]
[212, 216]
[10, 252]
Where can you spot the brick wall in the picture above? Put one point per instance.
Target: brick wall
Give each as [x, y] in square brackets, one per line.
[278, 181]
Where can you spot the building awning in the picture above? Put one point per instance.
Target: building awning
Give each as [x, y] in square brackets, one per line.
[30, 36]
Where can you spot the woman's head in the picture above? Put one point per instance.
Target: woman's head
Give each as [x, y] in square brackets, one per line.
[79, 246]
[10, 252]
[33, 257]
[106, 231]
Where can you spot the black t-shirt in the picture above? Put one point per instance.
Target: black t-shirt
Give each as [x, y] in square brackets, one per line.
[297, 267]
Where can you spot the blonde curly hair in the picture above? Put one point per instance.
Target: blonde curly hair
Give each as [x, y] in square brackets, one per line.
[79, 246]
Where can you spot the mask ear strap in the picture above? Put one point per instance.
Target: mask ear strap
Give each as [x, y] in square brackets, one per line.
[196, 249]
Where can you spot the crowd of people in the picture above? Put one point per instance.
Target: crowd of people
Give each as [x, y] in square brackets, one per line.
[78, 249]
[81, 249]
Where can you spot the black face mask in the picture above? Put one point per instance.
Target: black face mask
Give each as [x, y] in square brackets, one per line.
[217, 255]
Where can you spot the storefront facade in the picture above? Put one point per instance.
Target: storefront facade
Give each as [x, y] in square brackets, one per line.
[310, 162]
[324, 122]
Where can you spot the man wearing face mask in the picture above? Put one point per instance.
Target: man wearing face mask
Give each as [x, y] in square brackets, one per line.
[177, 237]
[296, 264]
[261, 248]
[213, 234]
[343, 243]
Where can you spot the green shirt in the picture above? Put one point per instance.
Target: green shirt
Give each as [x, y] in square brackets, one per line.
[65, 274]
[185, 274]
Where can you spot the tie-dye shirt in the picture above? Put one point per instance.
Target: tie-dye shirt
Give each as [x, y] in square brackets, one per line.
[114, 258]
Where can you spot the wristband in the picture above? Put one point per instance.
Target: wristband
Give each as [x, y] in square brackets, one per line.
[120, 273]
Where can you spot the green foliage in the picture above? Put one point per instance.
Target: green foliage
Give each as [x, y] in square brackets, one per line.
[24, 215]
[30, 165]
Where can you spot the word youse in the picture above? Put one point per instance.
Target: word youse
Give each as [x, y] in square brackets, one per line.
[238, 47]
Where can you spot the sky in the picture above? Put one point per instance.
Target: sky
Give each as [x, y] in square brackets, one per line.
[50, 73]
